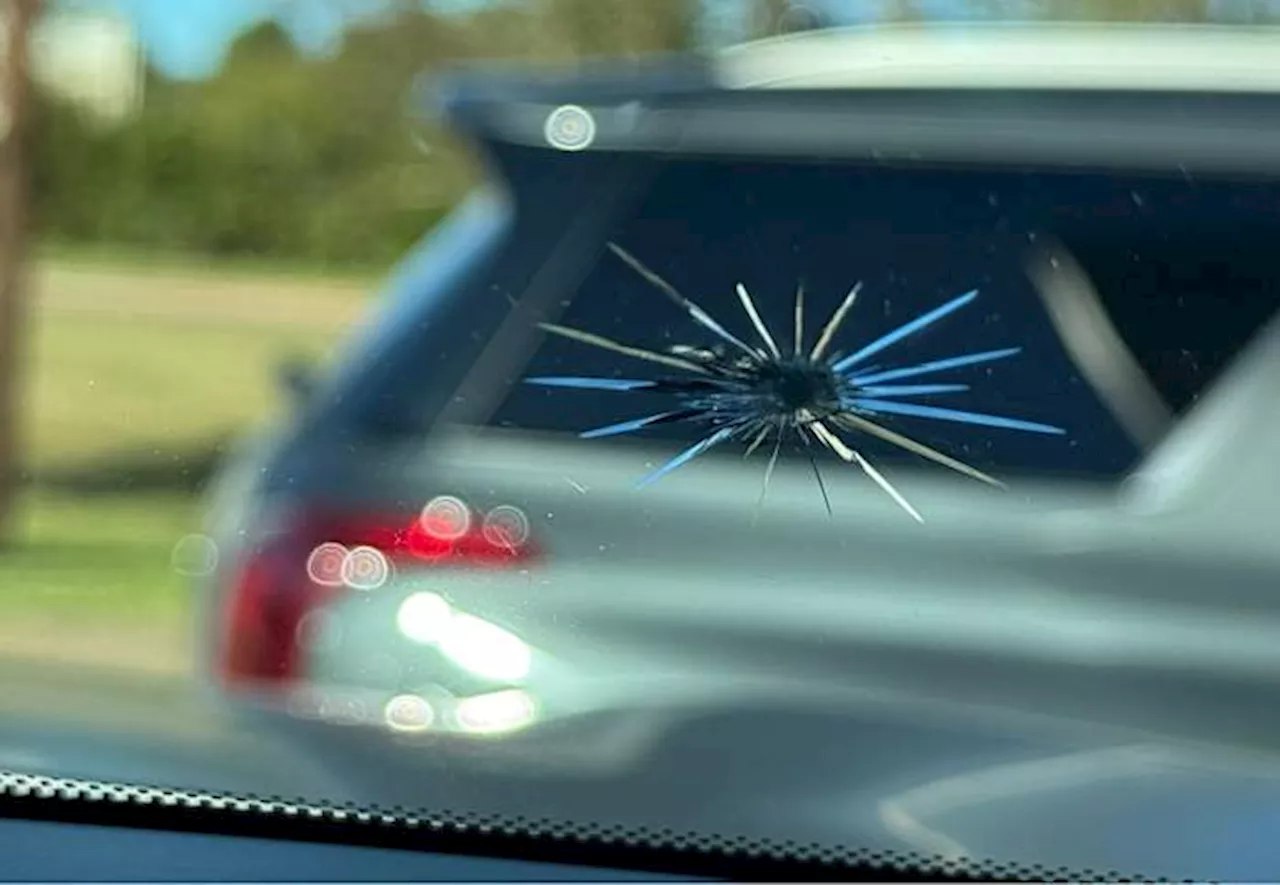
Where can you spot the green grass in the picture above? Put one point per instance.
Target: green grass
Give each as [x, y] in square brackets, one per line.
[102, 386]
[91, 565]
[93, 560]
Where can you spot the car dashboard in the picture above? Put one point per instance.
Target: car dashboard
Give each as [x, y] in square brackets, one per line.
[43, 851]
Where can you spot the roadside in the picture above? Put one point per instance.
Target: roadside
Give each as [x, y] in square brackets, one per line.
[146, 260]
[127, 294]
[158, 648]
[91, 584]
[138, 377]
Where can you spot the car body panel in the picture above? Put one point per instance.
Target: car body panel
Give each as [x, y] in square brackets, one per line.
[1066, 692]
[1107, 56]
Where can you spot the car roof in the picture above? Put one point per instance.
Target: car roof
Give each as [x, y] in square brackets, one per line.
[968, 55]
[1003, 93]
[1011, 55]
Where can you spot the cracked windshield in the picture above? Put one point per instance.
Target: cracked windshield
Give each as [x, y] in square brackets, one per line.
[734, 418]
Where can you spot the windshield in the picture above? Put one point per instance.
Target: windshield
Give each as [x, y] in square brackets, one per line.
[592, 460]
[801, 237]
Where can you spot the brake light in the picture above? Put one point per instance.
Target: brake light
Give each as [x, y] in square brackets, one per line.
[423, 541]
[324, 552]
[266, 611]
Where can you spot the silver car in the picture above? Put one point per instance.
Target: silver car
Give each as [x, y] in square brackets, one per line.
[450, 582]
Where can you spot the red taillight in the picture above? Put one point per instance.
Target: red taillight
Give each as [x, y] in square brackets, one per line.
[265, 612]
[279, 585]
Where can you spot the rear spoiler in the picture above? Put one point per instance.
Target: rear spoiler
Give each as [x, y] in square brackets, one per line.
[458, 95]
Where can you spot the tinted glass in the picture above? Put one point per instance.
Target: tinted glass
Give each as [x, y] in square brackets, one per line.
[1181, 268]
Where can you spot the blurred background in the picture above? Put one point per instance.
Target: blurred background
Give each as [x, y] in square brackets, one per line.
[196, 194]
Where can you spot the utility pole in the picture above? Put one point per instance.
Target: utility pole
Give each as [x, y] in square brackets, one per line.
[19, 15]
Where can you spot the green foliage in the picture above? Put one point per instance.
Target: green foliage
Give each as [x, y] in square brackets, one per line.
[99, 560]
[303, 158]
[279, 157]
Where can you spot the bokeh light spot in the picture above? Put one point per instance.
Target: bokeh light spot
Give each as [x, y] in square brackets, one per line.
[408, 713]
[446, 517]
[195, 556]
[365, 568]
[506, 526]
[570, 128]
[325, 564]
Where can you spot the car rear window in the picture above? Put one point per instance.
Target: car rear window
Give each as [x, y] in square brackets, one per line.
[1182, 267]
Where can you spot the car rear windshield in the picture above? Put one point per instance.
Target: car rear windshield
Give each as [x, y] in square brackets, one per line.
[1181, 267]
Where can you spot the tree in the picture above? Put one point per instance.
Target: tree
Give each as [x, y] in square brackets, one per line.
[1192, 11]
[15, 89]
[571, 29]
[1182, 11]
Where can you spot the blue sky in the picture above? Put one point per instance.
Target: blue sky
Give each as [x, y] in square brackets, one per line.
[189, 37]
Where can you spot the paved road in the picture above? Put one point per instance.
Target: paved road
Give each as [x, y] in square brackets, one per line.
[68, 721]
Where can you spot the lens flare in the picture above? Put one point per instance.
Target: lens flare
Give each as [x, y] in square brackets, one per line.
[506, 526]
[408, 713]
[446, 518]
[195, 556]
[365, 568]
[325, 564]
[570, 128]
